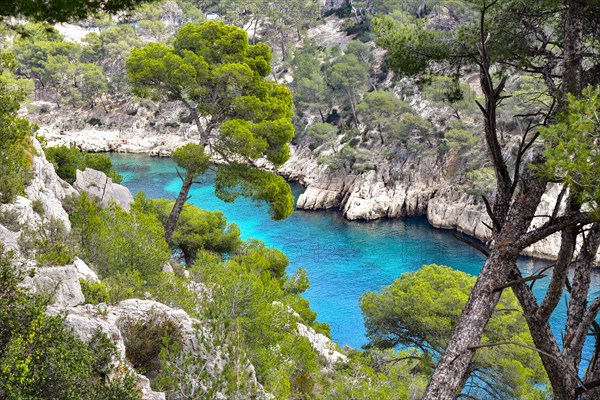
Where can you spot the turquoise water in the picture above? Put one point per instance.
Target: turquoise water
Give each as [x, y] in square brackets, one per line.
[343, 258]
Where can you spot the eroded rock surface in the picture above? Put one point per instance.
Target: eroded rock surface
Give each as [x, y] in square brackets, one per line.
[60, 282]
[322, 344]
[98, 185]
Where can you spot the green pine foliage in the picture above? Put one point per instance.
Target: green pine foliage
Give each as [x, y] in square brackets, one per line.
[220, 78]
[420, 310]
[198, 230]
[572, 152]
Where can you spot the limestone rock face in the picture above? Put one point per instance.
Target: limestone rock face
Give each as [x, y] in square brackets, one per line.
[322, 344]
[9, 239]
[85, 272]
[147, 128]
[406, 185]
[97, 184]
[85, 320]
[47, 188]
[61, 282]
[43, 201]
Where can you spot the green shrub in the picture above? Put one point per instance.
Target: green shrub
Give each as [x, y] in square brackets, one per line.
[16, 149]
[124, 285]
[38, 207]
[144, 340]
[50, 245]
[114, 240]
[10, 220]
[67, 160]
[95, 292]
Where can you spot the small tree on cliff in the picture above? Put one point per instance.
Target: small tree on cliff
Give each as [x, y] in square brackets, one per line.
[194, 161]
[220, 79]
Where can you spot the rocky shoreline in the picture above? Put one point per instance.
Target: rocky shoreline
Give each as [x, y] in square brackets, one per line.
[407, 184]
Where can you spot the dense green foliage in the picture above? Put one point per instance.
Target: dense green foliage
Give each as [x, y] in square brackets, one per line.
[572, 150]
[67, 160]
[40, 358]
[421, 309]
[192, 159]
[115, 241]
[198, 229]
[16, 151]
[52, 63]
[61, 11]
[220, 78]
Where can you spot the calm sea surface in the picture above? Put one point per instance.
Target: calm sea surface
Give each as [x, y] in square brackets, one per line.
[343, 258]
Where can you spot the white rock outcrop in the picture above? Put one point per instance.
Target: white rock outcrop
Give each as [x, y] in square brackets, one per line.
[9, 239]
[322, 344]
[44, 196]
[60, 282]
[87, 319]
[148, 128]
[407, 185]
[84, 272]
[47, 188]
[98, 185]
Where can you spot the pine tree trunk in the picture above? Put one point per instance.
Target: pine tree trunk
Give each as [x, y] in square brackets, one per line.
[593, 373]
[543, 338]
[573, 57]
[178, 207]
[451, 370]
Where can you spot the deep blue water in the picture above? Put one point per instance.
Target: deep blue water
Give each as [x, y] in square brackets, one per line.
[343, 258]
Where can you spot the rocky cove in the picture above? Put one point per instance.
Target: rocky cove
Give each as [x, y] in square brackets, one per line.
[405, 184]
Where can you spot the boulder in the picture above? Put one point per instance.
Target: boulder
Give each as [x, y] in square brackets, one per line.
[61, 282]
[85, 272]
[9, 239]
[86, 320]
[98, 185]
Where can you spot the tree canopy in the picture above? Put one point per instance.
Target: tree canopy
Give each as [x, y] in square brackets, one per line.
[420, 310]
[552, 47]
[220, 79]
[53, 11]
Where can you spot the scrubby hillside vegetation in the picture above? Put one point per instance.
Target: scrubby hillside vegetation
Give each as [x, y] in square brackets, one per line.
[399, 108]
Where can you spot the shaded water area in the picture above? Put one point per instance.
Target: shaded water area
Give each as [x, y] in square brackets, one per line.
[343, 258]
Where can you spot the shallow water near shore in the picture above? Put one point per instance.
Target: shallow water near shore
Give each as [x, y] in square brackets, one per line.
[343, 258]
